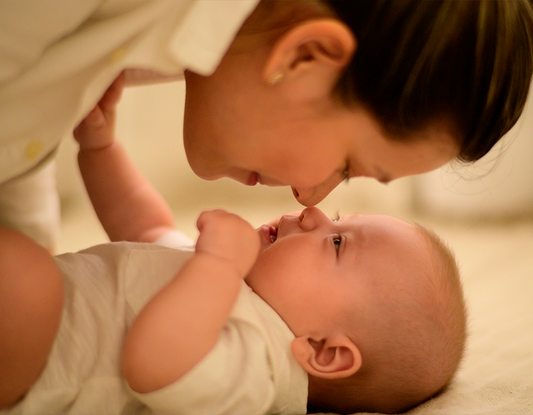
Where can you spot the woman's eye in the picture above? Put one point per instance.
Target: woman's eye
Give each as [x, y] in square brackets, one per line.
[337, 242]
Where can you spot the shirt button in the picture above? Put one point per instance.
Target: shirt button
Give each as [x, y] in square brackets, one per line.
[117, 55]
[33, 149]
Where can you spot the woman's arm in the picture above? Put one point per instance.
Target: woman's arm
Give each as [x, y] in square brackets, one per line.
[126, 204]
[182, 322]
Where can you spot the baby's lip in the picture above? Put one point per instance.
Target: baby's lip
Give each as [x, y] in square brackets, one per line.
[267, 233]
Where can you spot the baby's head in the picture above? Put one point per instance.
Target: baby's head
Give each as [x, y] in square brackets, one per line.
[375, 303]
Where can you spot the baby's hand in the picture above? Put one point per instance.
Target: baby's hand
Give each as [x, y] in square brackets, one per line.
[228, 237]
[97, 130]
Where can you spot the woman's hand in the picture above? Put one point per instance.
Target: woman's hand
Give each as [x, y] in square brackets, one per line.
[97, 130]
[228, 237]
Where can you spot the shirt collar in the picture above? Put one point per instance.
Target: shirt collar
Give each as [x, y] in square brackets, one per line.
[207, 32]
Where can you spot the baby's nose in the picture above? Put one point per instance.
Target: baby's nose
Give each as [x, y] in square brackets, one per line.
[311, 218]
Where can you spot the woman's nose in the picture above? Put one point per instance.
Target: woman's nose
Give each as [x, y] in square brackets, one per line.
[312, 195]
[311, 218]
[307, 197]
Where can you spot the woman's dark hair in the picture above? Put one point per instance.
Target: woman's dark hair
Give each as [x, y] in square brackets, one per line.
[468, 62]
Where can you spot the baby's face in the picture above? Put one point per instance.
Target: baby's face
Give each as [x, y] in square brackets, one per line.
[313, 270]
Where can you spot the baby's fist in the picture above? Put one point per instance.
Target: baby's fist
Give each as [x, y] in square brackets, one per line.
[97, 130]
[229, 238]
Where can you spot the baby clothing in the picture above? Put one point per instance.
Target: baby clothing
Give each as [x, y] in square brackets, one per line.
[251, 369]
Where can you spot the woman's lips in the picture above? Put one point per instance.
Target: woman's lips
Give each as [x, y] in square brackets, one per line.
[252, 180]
[255, 178]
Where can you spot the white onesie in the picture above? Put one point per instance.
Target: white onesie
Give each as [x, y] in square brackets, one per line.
[251, 370]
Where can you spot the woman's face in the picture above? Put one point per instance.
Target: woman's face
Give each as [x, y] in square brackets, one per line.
[243, 129]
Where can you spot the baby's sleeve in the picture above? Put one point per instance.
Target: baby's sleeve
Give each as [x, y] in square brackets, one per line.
[175, 239]
[235, 377]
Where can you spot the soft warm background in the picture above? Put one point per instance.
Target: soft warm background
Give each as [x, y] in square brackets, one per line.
[484, 212]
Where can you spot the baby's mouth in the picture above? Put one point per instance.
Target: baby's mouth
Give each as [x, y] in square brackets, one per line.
[273, 234]
[268, 234]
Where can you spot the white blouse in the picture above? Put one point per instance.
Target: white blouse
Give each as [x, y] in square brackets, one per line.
[57, 58]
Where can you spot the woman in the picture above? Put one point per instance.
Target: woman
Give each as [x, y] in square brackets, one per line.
[302, 93]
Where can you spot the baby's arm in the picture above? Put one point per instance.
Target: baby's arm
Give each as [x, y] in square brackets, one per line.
[182, 322]
[127, 205]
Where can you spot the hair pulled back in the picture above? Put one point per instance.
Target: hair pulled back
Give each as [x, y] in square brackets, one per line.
[465, 62]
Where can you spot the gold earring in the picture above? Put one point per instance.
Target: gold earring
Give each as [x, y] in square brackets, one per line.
[276, 78]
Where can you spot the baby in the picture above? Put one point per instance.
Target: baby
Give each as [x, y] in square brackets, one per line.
[364, 313]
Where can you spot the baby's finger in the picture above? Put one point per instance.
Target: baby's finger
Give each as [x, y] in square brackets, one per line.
[92, 122]
[203, 219]
[113, 94]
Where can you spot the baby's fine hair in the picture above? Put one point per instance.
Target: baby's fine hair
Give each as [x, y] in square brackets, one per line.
[466, 63]
[418, 342]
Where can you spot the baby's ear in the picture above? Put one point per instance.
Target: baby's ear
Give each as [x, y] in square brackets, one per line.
[333, 357]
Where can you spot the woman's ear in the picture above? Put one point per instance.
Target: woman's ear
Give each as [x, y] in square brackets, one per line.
[308, 60]
[334, 357]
